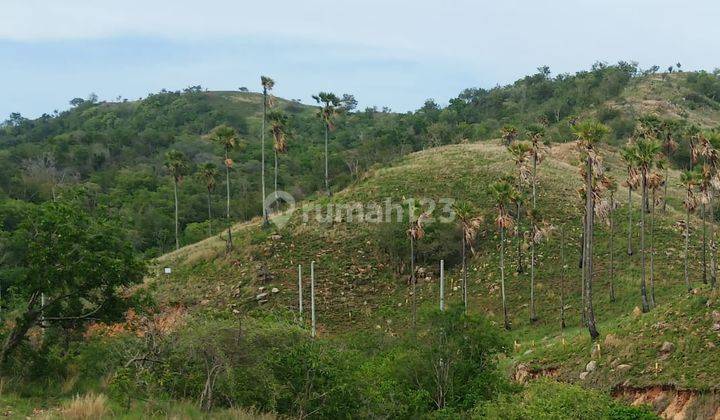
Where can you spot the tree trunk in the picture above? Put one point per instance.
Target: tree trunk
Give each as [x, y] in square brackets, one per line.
[583, 253]
[506, 321]
[533, 314]
[589, 213]
[229, 244]
[277, 204]
[667, 174]
[519, 235]
[209, 213]
[413, 281]
[704, 256]
[177, 231]
[652, 250]
[612, 248]
[687, 248]
[562, 278]
[464, 270]
[643, 290]
[327, 178]
[262, 158]
[629, 209]
[23, 323]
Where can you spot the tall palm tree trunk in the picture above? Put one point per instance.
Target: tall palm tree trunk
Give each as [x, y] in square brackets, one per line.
[643, 288]
[506, 321]
[327, 178]
[209, 213]
[229, 245]
[413, 281]
[687, 248]
[589, 213]
[533, 314]
[464, 272]
[177, 230]
[704, 256]
[583, 272]
[612, 248]
[562, 278]
[520, 268]
[276, 180]
[629, 209]
[667, 174]
[652, 251]
[262, 159]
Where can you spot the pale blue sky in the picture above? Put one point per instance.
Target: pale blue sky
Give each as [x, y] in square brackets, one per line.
[386, 53]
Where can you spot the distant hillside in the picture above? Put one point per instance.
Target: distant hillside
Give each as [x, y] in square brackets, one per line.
[114, 152]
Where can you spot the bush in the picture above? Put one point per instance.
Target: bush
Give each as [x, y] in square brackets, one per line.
[547, 399]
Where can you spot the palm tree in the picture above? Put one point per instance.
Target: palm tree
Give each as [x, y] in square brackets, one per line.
[470, 225]
[226, 137]
[267, 85]
[708, 172]
[177, 166]
[655, 181]
[646, 152]
[415, 232]
[208, 172]
[540, 231]
[588, 134]
[688, 180]
[631, 182]
[535, 133]
[612, 188]
[508, 134]
[504, 194]
[330, 107]
[669, 146]
[520, 153]
[279, 130]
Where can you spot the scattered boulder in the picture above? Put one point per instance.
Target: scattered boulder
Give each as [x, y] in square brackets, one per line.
[584, 375]
[716, 326]
[261, 296]
[275, 290]
[623, 368]
[591, 366]
[275, 237]
[667, 347]
[716, 316]
[521, 373]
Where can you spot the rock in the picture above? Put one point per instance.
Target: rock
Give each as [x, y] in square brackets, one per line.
[716, 316]
[276, 237]
[623, 368]
[591, 366]
[521, 373]
[584, 375]
[275, 290]
[261, 296]
[716, 327]
[667, 347]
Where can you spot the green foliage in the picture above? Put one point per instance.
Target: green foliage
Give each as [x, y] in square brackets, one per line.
[547, 399]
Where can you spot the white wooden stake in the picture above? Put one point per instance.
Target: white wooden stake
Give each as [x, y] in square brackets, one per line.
[300, 300]
[442, 285]
[312, 297]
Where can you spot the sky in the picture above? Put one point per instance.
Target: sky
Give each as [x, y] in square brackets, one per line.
[394, 53]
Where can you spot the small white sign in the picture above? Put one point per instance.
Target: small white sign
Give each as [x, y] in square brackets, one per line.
[168, 270]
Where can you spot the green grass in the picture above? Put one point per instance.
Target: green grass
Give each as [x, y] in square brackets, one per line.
[360, 285]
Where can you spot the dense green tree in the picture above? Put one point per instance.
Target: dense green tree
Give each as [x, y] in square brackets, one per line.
[80, 264]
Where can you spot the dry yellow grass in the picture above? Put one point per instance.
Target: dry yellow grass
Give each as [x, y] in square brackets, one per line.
[88, 406]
